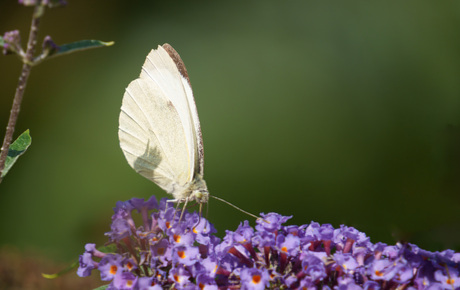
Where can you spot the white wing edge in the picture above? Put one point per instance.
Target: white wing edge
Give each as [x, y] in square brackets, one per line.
[198, 140]
[160, 68]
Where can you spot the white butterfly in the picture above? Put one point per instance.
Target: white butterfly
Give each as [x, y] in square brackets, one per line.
[159, 130]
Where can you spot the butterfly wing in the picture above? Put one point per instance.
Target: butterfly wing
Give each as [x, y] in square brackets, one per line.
[156, 126]
[199, 164]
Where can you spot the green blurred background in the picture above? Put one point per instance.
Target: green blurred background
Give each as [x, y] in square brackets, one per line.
[336, 112]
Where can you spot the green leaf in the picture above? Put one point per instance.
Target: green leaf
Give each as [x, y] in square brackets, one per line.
[107, 249]
[101, 288]
[62, 272]
[2, 42]
[81, 45]
[112, 248]
[17, 148]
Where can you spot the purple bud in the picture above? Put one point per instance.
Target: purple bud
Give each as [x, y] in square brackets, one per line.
[86, 265]
[28, 2]
[48, 46]
[12, 41]
[49, 3]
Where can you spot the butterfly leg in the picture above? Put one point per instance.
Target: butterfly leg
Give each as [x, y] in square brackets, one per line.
[177, 207]
[183, 209]
[199, 218]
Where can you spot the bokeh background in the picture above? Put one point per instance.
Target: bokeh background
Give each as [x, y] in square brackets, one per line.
[335, 112]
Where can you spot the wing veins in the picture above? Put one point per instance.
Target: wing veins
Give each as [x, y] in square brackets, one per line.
[190, 119]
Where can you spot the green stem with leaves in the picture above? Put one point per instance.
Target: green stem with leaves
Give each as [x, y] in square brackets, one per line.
[26, 68]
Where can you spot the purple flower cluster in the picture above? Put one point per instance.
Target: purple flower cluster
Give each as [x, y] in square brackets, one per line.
[167, 253]
[12, 42]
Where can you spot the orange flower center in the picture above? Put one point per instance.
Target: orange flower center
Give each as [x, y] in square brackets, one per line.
[129, 265]
[176, 238]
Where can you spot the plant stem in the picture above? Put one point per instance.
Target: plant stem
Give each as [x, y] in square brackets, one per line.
[26, 67]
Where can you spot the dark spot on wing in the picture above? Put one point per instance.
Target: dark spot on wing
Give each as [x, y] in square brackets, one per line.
[178, 61]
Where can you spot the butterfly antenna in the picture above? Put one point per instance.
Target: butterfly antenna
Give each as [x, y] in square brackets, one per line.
[237, 208]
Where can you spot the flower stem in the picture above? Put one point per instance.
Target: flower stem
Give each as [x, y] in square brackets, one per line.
[26, 67]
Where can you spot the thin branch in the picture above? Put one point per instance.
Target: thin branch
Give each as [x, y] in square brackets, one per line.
[26, 67]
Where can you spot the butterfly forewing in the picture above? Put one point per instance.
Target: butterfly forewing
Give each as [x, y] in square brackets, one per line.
[160, 68]
[147, 119]
[159, 129]
[142, 148]
[198, 139]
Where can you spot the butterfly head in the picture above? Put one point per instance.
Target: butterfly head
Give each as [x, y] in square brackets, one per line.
[199, 190]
